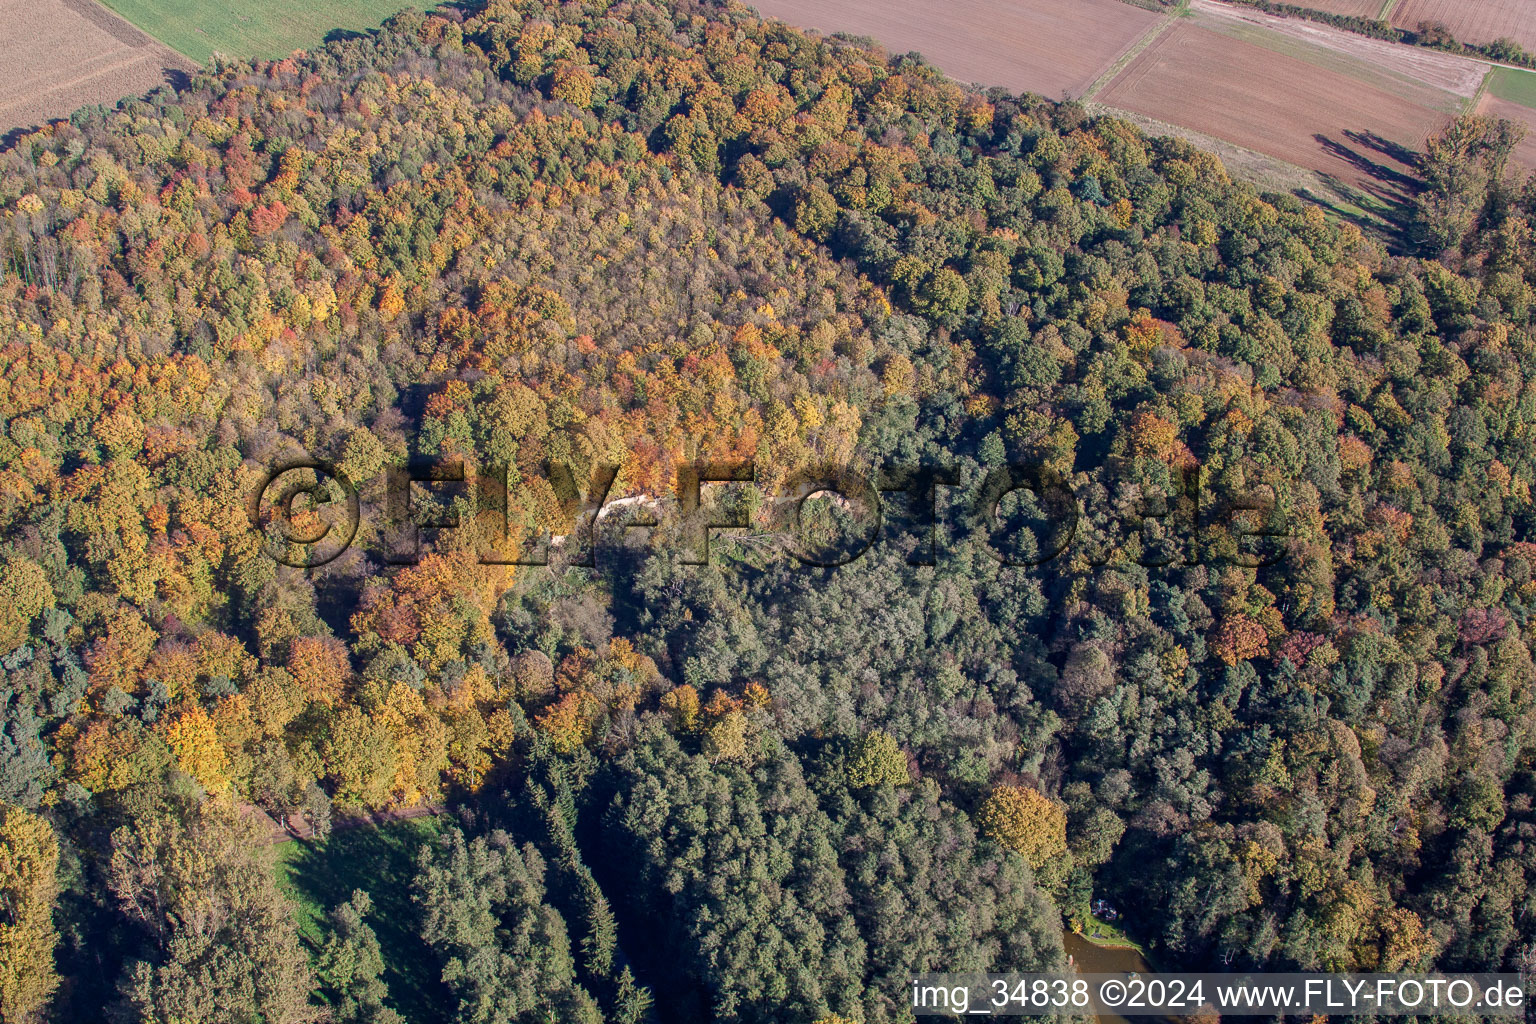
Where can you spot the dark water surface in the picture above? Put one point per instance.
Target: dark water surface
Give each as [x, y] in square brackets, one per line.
[1089, 958]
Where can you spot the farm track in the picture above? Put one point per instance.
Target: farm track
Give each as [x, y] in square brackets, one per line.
[1482, 90]
[1130, 55]
[108, 64]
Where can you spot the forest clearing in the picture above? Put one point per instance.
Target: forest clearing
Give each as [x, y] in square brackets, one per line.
[318, 875]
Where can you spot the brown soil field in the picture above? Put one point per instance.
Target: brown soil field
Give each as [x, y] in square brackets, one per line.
[1278, 105]
[1492, 106]
[59, 55]
[1473, 21]
[1440, 80]
[1049, 47]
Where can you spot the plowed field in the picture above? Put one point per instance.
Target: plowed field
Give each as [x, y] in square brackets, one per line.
[1275, 104]
[1473, 21]
[59, 55]
[1050, 47]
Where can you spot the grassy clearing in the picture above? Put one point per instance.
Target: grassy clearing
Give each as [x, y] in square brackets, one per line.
[251, 28]
[381, 860]
[1514, 85]
[1102, 933]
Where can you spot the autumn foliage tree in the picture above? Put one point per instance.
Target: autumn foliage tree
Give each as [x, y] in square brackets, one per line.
[547, 240]
[29, 860]
[1024, 820]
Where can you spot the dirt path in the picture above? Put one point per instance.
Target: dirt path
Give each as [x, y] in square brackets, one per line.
[1129, 55]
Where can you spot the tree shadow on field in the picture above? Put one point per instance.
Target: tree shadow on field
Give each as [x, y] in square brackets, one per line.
[1381, 202]
[1385, 181]
[382, 861]
[11, 137]
[176, 78]
[341, 35]
[1405, 155]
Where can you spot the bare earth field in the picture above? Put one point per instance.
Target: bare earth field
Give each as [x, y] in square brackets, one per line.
[1049, 47]
[59, 55]
[1279, 105]
[1492, 106]
[1473, 21]
[1440, 80]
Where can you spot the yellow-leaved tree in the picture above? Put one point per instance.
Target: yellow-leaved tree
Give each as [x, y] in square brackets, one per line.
[877, 760]
[194, 739]
[1026, 821]
[29, 864]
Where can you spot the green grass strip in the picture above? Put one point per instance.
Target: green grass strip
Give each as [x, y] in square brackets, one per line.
[252, 28]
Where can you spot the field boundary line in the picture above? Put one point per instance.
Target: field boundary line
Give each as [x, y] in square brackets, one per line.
[1124, 60]
[1385, 13]
[112, 23]
[1482, 87]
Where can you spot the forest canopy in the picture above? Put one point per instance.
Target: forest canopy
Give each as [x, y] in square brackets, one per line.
[659, 236]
